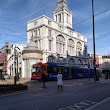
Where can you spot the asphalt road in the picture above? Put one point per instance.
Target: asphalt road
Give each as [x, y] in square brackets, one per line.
[74, 97]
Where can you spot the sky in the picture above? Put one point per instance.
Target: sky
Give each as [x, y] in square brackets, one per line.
[14, 15]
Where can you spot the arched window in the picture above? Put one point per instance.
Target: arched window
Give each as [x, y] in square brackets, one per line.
[71, 47]
[60, 44]
[50, 59]
[79, 62]
[61, 60]
[71, 61]
[79, 49]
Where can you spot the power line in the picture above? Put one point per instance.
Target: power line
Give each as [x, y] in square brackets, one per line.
[44, 8]
[35, 11]
[91, 17]
[11, 30]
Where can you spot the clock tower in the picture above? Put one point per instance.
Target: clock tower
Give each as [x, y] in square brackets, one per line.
[62, 14]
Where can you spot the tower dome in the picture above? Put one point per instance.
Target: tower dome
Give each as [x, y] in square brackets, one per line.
[31, 46]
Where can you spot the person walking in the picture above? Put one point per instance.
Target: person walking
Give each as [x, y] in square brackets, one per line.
[60, 81]
[43, 79]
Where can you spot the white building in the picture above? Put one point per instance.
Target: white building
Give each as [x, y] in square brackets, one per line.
[15, 60]
[56, 38]
[21, 58]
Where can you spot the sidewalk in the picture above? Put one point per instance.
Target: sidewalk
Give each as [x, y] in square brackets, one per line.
[37, 84]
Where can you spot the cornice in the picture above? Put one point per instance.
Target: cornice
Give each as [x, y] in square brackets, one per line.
[57, 31]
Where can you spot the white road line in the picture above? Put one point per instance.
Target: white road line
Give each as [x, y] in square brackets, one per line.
[98, 103]
[17, 92]
[70, 85]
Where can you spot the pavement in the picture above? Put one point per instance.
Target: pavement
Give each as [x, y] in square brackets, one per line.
[33, 84]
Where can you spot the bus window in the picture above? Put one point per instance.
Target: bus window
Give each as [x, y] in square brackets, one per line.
[86, 71]
[60, 69]
[36, 69]
[66, 70]
[63, 69]
[80, 70]
[55, 69]
[73, 71]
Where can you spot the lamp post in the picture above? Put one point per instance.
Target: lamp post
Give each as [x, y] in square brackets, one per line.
[94, 60]
[16, 63]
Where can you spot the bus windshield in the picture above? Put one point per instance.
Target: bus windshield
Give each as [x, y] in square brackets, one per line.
[36, 69]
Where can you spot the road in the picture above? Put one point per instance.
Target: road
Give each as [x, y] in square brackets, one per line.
[79, 96]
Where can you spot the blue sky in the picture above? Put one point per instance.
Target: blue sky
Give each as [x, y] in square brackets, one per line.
[14, 15]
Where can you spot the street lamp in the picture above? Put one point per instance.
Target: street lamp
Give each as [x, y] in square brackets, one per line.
[94, 60]
[16, 62]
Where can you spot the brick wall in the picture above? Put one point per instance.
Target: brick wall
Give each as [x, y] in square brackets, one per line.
[3, 59]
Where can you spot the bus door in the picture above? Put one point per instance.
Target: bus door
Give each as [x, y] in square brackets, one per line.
[52, 72]
[65, 72]
[70, 72]
[80, 72]
[74, 75]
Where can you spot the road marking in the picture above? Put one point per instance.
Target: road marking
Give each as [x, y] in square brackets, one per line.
[18, 92]
[98, 103]
[75, 84]
[79, 106]
[105, 81]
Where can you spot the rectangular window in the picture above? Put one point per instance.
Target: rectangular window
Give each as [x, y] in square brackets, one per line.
[49, 32]
[39, 44]
[50, 45]
[56, 18]
[38, 32]
[59, 16]
[62, 17]
[67, 18]
[59, 48]
[63, 48]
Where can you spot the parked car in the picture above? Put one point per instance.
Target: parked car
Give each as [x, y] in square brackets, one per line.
[6, 76]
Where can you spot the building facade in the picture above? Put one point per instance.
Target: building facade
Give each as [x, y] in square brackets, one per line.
[4, 51]
[57, 39]
[102, 62]
[15, 60]
[30, 56]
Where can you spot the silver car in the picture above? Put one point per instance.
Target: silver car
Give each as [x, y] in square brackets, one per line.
[6, 76]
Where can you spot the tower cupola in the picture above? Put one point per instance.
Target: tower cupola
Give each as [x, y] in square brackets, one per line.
[62, 14]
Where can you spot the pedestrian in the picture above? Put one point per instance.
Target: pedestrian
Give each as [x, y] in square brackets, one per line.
[60, 81]
[44, 78]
